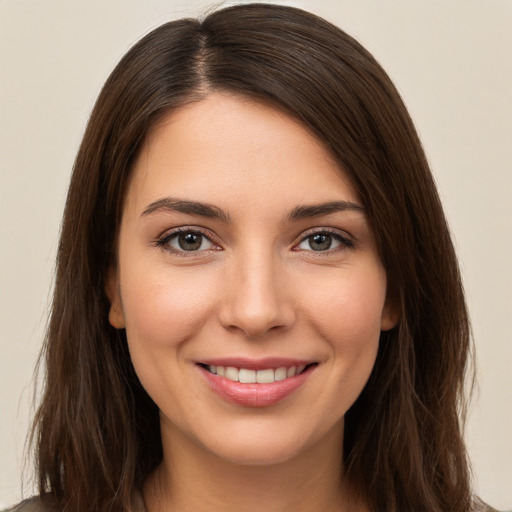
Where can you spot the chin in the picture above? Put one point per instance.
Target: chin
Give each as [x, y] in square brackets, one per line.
[265, 444]
[258, 454]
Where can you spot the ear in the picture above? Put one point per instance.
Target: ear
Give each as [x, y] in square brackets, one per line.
[391, 314]
[116, 313]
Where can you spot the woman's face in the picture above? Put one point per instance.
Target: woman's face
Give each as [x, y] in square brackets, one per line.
[245, 255]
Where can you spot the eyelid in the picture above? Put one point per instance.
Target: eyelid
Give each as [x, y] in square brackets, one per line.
[163, 240]
[346, 240]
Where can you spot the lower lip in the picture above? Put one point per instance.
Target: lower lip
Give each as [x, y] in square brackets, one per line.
[255, 395]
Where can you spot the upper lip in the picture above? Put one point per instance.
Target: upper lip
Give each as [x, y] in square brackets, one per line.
[265, 363]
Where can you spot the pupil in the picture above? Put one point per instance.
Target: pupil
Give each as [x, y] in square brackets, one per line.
[320, 242]
[190, 241]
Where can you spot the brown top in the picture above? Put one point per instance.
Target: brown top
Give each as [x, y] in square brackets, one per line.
[37, 505]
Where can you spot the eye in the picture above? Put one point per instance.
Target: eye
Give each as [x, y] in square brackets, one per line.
[324, 241]
[186, 241]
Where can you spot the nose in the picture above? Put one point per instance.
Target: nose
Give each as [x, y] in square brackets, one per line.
[257, 298]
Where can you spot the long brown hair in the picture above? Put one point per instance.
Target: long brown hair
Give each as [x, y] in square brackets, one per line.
[96, 432]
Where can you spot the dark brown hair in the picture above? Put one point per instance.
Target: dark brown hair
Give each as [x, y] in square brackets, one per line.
[96, 432]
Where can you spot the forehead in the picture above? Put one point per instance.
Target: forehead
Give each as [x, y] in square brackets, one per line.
[227, 148]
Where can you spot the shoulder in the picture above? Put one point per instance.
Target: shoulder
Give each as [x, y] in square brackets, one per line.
[35, 504]
[480, 506]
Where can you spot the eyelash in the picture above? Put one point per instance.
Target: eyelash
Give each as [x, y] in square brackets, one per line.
[346, 241]
[163, 241]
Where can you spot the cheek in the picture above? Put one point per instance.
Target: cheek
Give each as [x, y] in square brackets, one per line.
[349, 319]
[163, 309]
[350, 309]
[347, 315]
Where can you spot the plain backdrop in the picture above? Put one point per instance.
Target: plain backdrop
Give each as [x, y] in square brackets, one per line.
[451, 61]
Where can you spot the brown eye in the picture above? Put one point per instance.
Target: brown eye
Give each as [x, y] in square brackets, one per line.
[320, 242]
[188, 241]
[324, 241]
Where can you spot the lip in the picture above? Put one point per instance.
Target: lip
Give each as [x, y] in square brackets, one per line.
[255, 395]
[265, 363]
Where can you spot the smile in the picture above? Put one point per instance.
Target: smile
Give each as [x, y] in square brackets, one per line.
[247, 376]
[249, 383]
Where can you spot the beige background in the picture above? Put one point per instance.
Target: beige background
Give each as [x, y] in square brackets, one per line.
[452, 62]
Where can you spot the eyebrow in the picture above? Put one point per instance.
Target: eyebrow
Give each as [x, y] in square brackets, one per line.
[214, 212]
[188, 207]
[316, 210]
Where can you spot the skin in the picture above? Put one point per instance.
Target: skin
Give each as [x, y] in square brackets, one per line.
[254, 288]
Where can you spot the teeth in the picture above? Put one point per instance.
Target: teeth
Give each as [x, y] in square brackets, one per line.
[252, 376]
[247, 376]
[265, 376]
[280, 374]
[231, 373]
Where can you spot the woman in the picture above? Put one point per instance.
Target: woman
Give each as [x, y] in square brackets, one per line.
[257, 300]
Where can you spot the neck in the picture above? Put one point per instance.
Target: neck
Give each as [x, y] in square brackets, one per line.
[191, 478]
